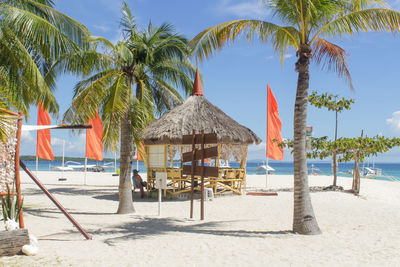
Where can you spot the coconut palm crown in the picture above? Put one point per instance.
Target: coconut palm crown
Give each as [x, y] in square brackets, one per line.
[32, 36]
[309, 27]
[128, 84]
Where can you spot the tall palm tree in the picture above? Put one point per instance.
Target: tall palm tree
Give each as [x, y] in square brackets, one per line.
[308, 25]
[33, 35]
[129, 83]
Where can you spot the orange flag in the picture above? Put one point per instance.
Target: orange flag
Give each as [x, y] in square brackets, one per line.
[94, 144]
[43, 146]
[274, 126]
[139, 153]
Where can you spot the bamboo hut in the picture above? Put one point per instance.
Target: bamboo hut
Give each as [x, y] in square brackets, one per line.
[163, 150]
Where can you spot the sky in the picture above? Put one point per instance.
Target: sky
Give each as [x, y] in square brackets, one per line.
[236, 78]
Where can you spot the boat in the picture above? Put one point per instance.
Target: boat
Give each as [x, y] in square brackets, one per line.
[62, 168]
[371, 172]
[76, 166]
[315, 170]
[263, 169]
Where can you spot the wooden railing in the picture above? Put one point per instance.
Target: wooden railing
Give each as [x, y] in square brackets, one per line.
[229, 179]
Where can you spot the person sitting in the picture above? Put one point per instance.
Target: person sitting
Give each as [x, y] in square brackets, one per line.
[138, 182]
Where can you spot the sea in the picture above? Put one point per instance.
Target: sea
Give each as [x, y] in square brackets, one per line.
[390, 171]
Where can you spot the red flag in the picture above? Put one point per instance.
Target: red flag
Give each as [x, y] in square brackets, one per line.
[94, 144]
[139, 152]
[43, 146]
[274, 126]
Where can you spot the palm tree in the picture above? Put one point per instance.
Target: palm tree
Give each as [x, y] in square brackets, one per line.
[33, 35]
[308, 24]
[128, 82]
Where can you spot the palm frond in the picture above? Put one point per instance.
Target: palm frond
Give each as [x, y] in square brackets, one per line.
[331, 57]
[88, 96]
[208, 41]
[114, 108]
[40, 33]
[25, 78]
[375, 20]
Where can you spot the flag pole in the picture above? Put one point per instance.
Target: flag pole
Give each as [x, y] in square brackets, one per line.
[115, 162]
[36, 166]
[266, 148]
[85, 170]
[63, 159]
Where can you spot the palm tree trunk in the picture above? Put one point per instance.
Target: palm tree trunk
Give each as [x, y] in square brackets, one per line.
[126, 155]
[304, 221]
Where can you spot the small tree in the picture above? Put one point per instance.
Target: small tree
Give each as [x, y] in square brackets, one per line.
[348, 149]
[332, 103]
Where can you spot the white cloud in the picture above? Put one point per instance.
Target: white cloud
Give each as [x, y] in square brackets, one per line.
[56, 141]
[26, 137]
[394, 122]
[102, 28]
[287, 56]
[259, 147]
[253, 8]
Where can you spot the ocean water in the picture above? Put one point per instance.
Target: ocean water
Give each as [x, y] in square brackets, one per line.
[390, 171]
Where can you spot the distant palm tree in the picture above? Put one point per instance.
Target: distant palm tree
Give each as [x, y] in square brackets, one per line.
[308, 25]
[132, 81]
[32, 35]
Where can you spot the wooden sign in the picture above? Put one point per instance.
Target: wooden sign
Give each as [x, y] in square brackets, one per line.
[210, 138]
[208, 153]
[208, 171]
[195, 155]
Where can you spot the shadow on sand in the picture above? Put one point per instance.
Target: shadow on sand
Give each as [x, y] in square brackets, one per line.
[150, 227]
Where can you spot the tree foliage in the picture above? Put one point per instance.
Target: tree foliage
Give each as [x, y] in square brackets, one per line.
[32, 36]
[329, 101]
[349, 149]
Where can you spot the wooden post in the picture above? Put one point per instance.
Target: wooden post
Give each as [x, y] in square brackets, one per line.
[171, 155]
[243, 166]
[17, 174]
[59, 206]
[193, 163]
[202, 177]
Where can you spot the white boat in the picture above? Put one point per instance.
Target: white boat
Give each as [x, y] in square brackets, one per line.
[76, 166]
[262, 169]
[61, 168]
[371, 172]
[315, 170]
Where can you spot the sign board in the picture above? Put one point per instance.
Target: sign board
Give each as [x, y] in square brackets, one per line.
[309, 131]
[208, 153]
[210, 138]
[161, 180]
[208, 171]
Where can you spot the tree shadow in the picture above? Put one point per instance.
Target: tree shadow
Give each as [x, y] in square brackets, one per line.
[148, 227]
[46, 213]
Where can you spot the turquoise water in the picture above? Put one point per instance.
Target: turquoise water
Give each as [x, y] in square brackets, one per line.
[388, 169]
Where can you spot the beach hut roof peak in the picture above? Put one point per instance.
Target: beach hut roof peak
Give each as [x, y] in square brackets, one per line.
[197, 90]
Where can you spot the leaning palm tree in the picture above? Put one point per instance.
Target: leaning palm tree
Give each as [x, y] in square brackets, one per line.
[33, 35]
[308, 27]
[128, 83]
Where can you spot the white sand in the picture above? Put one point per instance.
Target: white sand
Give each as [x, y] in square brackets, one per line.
[238, 230]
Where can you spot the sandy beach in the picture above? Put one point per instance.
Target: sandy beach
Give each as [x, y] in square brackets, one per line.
[237, 231]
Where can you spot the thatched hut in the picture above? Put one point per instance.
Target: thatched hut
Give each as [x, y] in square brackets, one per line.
[162, 143]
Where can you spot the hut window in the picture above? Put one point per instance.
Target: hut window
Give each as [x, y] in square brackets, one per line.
[157, 156]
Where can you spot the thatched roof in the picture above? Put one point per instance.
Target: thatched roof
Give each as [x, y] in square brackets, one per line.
[197, 113]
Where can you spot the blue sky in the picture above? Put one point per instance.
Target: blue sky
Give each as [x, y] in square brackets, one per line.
[236, 78]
